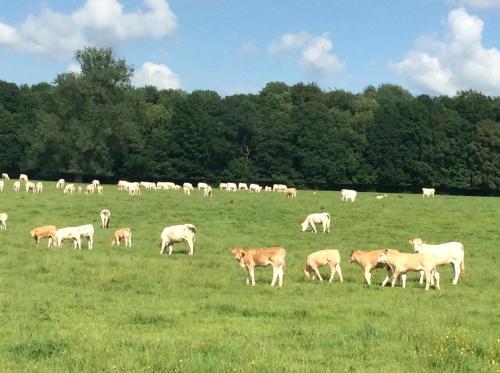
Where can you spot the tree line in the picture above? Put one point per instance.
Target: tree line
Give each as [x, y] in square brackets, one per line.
[95, 124]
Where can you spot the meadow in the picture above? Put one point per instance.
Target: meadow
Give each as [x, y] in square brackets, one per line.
[132, 310]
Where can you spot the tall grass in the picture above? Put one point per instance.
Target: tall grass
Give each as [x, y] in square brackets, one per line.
[121, 309]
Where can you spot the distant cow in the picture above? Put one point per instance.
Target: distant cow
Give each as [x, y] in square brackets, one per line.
[17, 186]
[208, 191]
[39, 188]
[291, 193]
[45, 231]
[105, 218]
[251, 258]
[447, 253]
[316, 218]
[243, 186]
[122, 234]
[60, 183]
[176, 234]
[231, 187]
[428, 192]
[69, 189]
[23, 177]
[348, 195]
[30, 187]
[322, 258]
[5, 176]
[1, 185]
[368, 260]
[202, 185]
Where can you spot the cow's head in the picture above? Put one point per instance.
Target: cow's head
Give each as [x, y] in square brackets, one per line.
[114, 241]
[32, 233]
[383, 257]
[417, 244]
[351, 256]
[304, 226]
[239, 254]
[307, 272]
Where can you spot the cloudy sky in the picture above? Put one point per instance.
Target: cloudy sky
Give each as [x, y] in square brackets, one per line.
[237, 46]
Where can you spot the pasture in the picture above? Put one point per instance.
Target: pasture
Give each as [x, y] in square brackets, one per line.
[121, 309]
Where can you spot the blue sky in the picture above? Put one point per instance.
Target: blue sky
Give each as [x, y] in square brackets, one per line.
[232, 46]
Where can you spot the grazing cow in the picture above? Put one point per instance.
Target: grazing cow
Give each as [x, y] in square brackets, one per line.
[202, 185]
[105, 219]
[242, 186]
[39, 188]
[1, 185]
[100, 189]
[291, 193]
[223, 186]
[348, 195]
[165, 185]
[322, 258]
[68, 233]
[95, 183]
[447, 253]
[69, 189]
[148, 185]
[60, 183]
[122, 184]
[188, 185]
[368, 260]
[251, 258]
[382, 196]
[5, 176]
[255, 188]
[87, 231]
[134, 189]
[45, 231]
[176, 234]
[30, 187]
[90, 189]
[231, 187]
[316, 218]
[23, 177]
[268, 189]
[3, 220]
[122, 234]
[208, 191]
[401, 263]
[280, 188]
[17, 186]
[186, 190]
[428, 192]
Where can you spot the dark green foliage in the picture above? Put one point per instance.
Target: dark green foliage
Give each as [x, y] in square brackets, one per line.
[94, 124]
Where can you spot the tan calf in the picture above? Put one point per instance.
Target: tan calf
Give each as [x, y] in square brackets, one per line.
[122, 234]
[322, 258]
[368, 260]
[251, 258]
[45, 231]
[404, 262]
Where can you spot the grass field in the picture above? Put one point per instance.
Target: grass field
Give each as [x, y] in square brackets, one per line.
[117, 309]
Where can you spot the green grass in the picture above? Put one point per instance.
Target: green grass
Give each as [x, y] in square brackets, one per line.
[121, 309]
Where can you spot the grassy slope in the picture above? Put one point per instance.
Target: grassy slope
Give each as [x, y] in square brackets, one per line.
[132, 310]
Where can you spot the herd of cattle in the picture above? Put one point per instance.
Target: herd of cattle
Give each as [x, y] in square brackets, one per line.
[425, 259]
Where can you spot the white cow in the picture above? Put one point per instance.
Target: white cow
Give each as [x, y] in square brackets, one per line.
[60, 183]
[447, 253]
[90, 189]
[165, 185]
[69, 189]
[188, 186]
[1, 185]
[280, 188]
[176, 234]
[208, 191]
[95, 183]
[428, 192]
[5, 176]
[87, 231]
[243, 186]
[223, 186]
[100, 189]
[202, 185]
[268, 189]
[39, 188]
[105, 218]
[348, 195]
[255, 188]
[134, 189]
[186, 190]
[316, 218]
[68, 233]
[231, 187]
[23, 177]
[3, 220]
[17, 186]
[30, 187]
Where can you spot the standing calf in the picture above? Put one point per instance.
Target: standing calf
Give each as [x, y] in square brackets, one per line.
[322, 258]
[251, 258]
[122, 234]
[105, 219]
[45, 231]
[176, 234]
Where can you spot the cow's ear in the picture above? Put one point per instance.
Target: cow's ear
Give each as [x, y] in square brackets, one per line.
[386, 251]
[242, 253]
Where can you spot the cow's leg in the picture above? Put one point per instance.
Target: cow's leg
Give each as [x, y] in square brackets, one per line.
[368, 277]
[163, 247]
[252, 275]
[428, 275]
[317, 273]
[280, 275]
[332, 272]
[403, 280]
[436, 280]
[421, 281]
[170, 248]
[90, 242]
[191, 247]
[275, 275]
[386, 280]
[313, 228]
[394, 277]
[456, 271]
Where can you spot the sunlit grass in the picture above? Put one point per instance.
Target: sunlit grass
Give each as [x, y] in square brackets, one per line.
[121, 309]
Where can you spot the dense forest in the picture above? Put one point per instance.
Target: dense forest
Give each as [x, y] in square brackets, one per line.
[95, 124]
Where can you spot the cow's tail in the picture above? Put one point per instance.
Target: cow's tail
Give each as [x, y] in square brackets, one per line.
[191, 227]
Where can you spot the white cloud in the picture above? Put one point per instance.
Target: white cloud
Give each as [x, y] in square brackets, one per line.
[157, 75]
[97, 22]
[74, 68]
[460, 62]
[315, 51]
